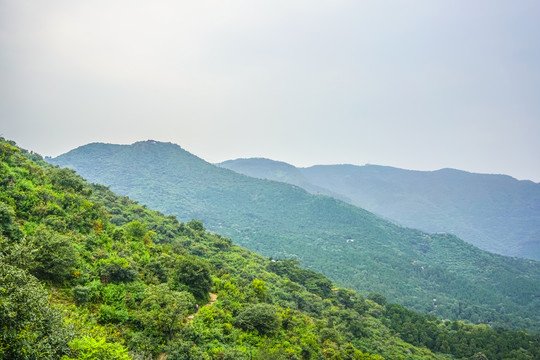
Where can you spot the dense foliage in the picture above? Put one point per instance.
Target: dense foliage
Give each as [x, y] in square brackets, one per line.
[494, 212]
[351, 246]
[127, 296]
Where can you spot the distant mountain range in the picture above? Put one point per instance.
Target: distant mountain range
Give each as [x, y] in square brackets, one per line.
[352, 246]
[497, 213]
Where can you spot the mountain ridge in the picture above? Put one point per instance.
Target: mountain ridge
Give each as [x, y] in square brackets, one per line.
[498, 213]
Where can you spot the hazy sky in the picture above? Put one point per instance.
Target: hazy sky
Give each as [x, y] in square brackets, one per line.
[421, 84]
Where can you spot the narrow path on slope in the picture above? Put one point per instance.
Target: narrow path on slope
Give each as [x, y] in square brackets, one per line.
[213, 298]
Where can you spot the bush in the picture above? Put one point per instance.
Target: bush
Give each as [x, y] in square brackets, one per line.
[87, 348]
[378, 298]
[195, 274]
[163, 310]
[8, 226]
[112, 314]
[261, 317]
[183, 350]
[196, 225]
[116, 269]
[66, 179]
[55, 257]
[30, 328]
[82, 294]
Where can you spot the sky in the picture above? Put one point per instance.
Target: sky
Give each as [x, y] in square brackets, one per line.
[416, 84]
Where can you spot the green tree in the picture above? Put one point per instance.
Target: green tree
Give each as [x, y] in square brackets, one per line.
[114, 309]
[163, 310]
[20, 254]
[259, 288]
[66, 179]
[55, 257]
[88, 348]
[8, 226]
[116, 269]
[30, 328]
[193, 273]
[184, 350]
[196, 225]
[136, 230]
[378, 298]
[261, 317]
[479, 356]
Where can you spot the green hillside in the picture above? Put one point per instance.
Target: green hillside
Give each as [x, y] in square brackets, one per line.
[86, 274]
[496, 213]
[351, 246]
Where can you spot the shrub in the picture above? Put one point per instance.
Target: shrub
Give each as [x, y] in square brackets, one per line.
[116, 269]
[66, 179]
[378, 298]
[196, 225]
[112, 314]
[195, 274]
[82, 294]
[88, 348]
[55, 256]
[261, 317]
[30, 328]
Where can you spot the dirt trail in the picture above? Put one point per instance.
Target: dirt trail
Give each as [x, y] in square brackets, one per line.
[213, 298]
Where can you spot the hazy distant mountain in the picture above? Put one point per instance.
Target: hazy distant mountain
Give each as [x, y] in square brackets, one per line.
[494, 212]
[279, 171]
[353, 247]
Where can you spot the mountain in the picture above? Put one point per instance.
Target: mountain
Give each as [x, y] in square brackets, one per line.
[87, 274]
[278, 171]
[496, 213]
[351, 246]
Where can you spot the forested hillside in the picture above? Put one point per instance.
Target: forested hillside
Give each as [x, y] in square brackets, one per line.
[497, 213]
[351, 246]
[86, 274]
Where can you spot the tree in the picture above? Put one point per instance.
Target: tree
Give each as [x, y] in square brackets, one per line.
[8, 226]
[30, 327]
[378, 298]
[55, 257]
[261, 317]
[114, 309]
[116, 269]
[136, 230]
[163, 310]
[66, 179]
[259, 289]
[196, 225]
[194, 273]
[88, 348]
[479, 356]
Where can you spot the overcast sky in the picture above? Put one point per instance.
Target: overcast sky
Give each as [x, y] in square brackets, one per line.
[421, 84]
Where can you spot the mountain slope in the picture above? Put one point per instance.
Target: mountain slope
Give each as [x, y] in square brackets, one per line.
[352, 246]
[494, 212]
[121, 281]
